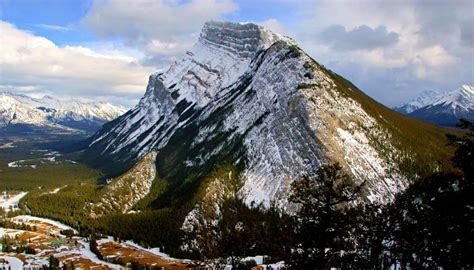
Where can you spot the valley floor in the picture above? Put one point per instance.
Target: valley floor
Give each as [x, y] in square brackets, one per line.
[42, 238]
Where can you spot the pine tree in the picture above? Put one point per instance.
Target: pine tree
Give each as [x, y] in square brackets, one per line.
[53, 263]
[323, 217]
[432, 219]
[464, 155]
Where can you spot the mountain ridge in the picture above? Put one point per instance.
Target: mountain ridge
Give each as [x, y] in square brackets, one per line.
[273, 112]
[442, 108]
[51, 114]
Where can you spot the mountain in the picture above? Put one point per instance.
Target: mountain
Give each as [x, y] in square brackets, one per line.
[21, 113]
[424, 99]
[446, 109]
[249, 105]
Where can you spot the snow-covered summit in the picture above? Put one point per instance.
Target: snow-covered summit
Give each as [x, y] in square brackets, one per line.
[459, 99]
[442, 108]
[422, 100]
[243, 39]
[243, 94]
[49, 112]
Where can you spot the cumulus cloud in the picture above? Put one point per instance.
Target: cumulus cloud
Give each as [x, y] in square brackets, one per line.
[157, 27]
[273, 25]
[34, 63]
[392, 50]
[360, 38]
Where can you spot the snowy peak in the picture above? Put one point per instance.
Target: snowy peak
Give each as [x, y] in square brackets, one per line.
[243, 40]
[461, 98]
[468, 89]
[48, 112]
[250, 98]
[222, 54]
[445, 108]
[424, 99]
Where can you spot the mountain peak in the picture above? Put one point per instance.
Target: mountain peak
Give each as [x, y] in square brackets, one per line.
[425, 98]
[469, 89]
[49, 112]
[443, 108]
[243, 39]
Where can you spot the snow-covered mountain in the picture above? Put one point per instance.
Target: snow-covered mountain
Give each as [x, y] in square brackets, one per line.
[443, 109]
[425, 98]
[23, 113]
[251, 99]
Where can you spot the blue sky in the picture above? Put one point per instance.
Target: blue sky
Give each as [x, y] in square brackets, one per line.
[32, 14]
[105, 49]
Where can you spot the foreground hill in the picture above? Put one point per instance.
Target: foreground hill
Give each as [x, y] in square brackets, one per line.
[21, 114]
[253, 106]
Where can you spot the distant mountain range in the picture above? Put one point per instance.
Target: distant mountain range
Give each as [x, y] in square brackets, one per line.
[442, 108]
[21, 114]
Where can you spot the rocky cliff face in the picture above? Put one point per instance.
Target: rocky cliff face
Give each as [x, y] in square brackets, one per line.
[246, 96]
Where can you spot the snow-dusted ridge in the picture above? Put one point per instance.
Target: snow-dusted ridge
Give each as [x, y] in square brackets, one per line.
[62, 114]
[425, 98]
[247, 96]
[442, 108]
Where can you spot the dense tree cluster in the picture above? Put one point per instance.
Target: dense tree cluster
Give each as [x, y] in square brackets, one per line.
[324, 219]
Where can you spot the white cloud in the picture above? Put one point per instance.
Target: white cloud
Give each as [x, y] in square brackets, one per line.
[35, 63]
[433, 48]
[157, 27]
[273, 25]
[53, 27]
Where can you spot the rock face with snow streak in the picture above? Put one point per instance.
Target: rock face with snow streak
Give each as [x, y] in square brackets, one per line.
[444, 109]
[48, 113]
[246, 96]
[122, 193]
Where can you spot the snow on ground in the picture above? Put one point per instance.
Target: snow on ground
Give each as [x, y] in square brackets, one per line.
[7, 262]
[155, 251]
[50, 157]
[56, 190]
[8, 232]
[88, 254]
[27, 219]
[7, 145]
[11, 202]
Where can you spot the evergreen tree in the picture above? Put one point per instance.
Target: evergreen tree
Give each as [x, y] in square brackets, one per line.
[464, 155]
[93, 246]
[323, 218]
[433, 219]
[371, 230]
[53, 263]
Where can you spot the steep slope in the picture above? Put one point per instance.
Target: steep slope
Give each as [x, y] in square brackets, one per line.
[47, 113]
[442, 108]
[424, 99]
[251, 98]
[122, 193]
[449, 107]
